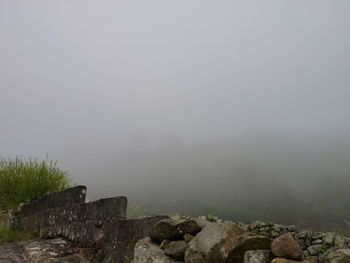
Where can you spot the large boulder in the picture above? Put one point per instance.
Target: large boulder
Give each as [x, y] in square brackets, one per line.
[213, 243]
[258, 256]
[147, 251]
[173, 229]
[285, 246]
[176, 249]
[244, 243]
[339, 256]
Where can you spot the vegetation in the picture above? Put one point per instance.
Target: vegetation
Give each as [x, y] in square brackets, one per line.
[25, 180]
[10, 235]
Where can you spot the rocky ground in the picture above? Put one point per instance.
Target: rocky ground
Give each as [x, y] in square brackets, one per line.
[42, 251]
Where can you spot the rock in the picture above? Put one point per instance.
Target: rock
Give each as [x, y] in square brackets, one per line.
[164, 244]
[147, 251]
[11, 253]
[257, 224]
[274, 233]
[285, 260]
[265, 229]
[285, 246]
[277, 228]
[318, 235]
[173, 229]
[264, 234]
[257, 256]
[315, 250]
[339, 256]
[52, 250]
[245, 227]
[329, 239]
[212, 243]
[291, 228]
[317, 242]
[302, 234]
[236, 250]
[202, 222]
[188, 238]
[176, 249]
[339, 241]
[312, 259]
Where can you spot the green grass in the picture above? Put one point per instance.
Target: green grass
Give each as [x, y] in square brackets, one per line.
[25, 180]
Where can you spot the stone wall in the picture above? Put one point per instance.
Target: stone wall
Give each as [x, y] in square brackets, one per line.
[101, 224]
[73, 195]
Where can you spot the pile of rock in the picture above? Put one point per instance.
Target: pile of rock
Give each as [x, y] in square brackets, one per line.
[316, 246]
[208, 240]
[197, 240]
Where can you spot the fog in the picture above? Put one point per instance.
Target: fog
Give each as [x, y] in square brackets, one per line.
[184, 106]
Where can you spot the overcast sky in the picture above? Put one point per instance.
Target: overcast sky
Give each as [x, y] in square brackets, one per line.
[83, 77]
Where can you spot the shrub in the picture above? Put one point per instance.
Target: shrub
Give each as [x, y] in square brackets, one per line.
[25, 180]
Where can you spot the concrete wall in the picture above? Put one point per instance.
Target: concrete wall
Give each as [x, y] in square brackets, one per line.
[101, 224]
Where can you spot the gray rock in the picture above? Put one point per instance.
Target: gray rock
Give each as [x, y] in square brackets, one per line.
[265, 229]
[339, 241]
[278, 228]
[148, 252]
[329, 239]
[176, 249]
[318, 235]
[258, 256]
[315, 250]
[302, 235]
[213, 243]
[339, 256]
[292, 228]
[257, 224]
[173, 229]
[317, 242]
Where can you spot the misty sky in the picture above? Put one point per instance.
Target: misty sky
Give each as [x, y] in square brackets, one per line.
[87, 80]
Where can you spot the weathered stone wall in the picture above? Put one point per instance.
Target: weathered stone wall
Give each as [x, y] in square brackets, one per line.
[80, 223]
[101, 224]
[73, 195]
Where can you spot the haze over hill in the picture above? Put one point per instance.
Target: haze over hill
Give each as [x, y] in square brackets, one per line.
[197, 106]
